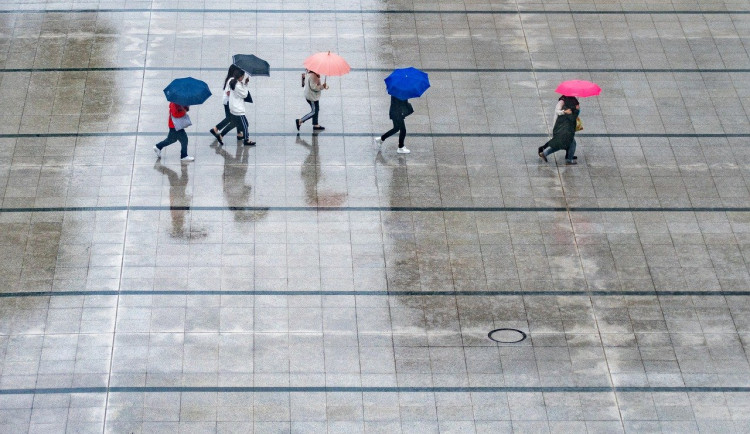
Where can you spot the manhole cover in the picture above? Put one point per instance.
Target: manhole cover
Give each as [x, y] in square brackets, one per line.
[507, 336]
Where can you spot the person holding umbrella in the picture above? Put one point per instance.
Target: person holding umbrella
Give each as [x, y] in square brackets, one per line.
[398, 112]
[563, 134]
[559, 111]
[226, 125]
[176, 133]
[403, 84]
[328, 64]
[238, 92]
[248, 65]
[312, 96]
[181, 94]
[570, 91]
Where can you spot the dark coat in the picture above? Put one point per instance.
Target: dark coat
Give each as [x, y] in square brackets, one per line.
[563, 132]
[400, 109]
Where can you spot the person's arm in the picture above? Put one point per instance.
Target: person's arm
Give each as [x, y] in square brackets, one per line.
[240, 89]
[314, 81]
[559, 108]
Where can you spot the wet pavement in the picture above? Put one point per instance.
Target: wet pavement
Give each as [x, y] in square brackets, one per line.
[317, 283]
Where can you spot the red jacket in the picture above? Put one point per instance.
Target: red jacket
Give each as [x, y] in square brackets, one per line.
[177, 111]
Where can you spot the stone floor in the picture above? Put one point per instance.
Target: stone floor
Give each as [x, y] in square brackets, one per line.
[316, 283]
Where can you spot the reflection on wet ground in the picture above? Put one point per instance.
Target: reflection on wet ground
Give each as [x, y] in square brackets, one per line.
[317, 282]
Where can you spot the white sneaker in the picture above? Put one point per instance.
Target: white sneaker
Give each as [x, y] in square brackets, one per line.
[378, 141]
[402, 151]
[188, 158]
[157, 151]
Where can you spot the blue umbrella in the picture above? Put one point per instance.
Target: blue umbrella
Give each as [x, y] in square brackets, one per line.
[407, 83]
[187, 91]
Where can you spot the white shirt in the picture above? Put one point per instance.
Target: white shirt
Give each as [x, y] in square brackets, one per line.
[225, 94]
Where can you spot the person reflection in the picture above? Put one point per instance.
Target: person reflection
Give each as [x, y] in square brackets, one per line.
[236, 191]
[312, 174]
[178, 199]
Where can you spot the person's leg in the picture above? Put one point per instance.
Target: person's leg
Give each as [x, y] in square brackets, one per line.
[571, 152]
[226, 125]
[549, 151]
[390, 132]
[402, 133]
[183, 138]
[245, 132]
[313, 112]
[316, 110]
[171, 138]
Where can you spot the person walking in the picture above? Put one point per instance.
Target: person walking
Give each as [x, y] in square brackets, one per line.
[238, 91]
[563, 133]
[177, 114]
[559, 110]
[398, 112]
[312, 96]
[222, 128]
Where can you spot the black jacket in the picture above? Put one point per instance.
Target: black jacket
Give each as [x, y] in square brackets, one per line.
[399, 109]
[564, 131]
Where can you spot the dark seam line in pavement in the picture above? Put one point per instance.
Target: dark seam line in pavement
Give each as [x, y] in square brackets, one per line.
[377, 11]
[402, 389]
[378, 293]
[334, 134]
[371, 209]
[435, 70]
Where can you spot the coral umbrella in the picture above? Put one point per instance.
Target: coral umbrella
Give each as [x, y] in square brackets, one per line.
[578, 88]
[327, 64]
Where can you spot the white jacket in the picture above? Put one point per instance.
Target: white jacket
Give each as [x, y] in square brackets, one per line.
[313, 87]
[237, 99]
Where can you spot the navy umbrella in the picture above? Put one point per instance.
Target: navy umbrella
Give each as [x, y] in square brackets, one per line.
[406, 83]
[251, 64]
[187, 91]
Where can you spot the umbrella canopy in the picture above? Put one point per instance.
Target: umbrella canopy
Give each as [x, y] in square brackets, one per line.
[187, 91]
[407, 83]
[327, 64]
[578, 88]
[251, 64]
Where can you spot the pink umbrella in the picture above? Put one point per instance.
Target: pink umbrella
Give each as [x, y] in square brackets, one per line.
[579, 88]
[327, 64]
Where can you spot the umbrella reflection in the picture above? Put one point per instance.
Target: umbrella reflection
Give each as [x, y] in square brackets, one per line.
[311, 175]
[179, 201]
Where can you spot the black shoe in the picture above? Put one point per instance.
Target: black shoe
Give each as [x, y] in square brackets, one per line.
[319, 128]
[543, 157]
[249, 143]
[540, 149]
[217, 136]
[570, 162]
[296, 122]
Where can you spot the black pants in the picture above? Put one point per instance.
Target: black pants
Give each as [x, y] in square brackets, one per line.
[241, 123]
[314, 110]
[226, 125]
[398, 127]
[175, 136]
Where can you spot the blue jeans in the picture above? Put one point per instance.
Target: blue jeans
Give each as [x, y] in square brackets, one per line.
[569, 154]
[175, 136]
